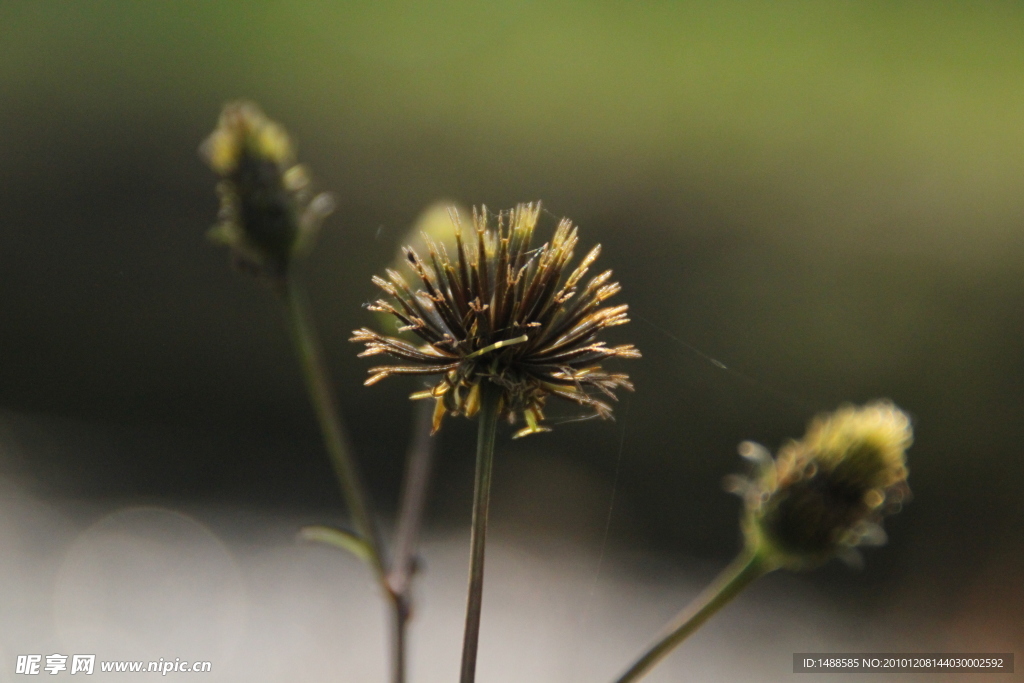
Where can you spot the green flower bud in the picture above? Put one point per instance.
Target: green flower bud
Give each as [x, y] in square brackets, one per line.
[267, 211]
[826, 494]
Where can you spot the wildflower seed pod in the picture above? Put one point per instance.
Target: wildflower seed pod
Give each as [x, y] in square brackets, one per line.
[827, 493]
[503, 312]
[268, 213]
[433, 223]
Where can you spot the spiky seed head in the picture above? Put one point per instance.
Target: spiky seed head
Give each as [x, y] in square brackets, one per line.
[502, 311]
[827, 493]
[268, 213]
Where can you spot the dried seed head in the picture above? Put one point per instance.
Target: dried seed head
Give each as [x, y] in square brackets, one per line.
[267, 211]
[826, 494]
[500, 311]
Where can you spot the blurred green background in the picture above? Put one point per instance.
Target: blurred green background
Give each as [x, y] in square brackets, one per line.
[824, 197]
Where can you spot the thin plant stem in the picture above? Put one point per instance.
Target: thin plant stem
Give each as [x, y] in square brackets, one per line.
[399, 620]
[744, 570]
[314, 371]
[419, 462]
[490, 404]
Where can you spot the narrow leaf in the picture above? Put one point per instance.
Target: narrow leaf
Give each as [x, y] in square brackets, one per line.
[339, 538]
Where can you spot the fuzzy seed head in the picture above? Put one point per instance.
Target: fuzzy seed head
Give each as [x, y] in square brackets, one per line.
[502, 311]
[827, 493]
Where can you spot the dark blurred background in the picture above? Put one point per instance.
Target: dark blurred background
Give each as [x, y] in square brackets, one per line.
[825, 198]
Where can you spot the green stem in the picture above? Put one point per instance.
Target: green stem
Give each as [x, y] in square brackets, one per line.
[314, 371]
[490, 404]
[744, 570]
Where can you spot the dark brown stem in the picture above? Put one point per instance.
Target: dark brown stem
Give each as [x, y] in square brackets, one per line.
[419, 462]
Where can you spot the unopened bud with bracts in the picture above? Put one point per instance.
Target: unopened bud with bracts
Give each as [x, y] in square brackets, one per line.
[819, 498]
[827, 493]
[268, 213]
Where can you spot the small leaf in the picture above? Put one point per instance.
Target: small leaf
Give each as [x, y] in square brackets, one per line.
[339, 538]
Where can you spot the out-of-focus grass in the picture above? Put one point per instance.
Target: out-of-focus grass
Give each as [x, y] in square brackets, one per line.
[861, 105]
